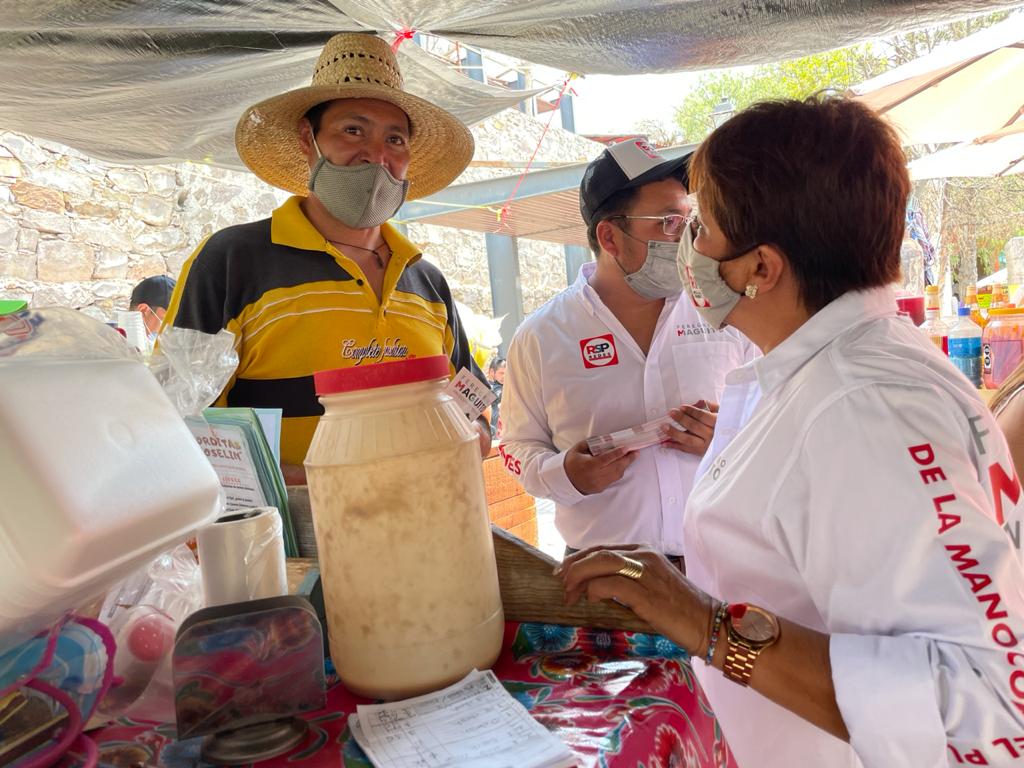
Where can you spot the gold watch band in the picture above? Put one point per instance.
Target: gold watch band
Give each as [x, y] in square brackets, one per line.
[749, 630]
[739, 661]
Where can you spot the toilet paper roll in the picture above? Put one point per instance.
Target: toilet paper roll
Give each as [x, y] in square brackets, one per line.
[241, 557]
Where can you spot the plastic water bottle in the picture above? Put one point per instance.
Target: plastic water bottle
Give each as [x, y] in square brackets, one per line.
[933, 325]
[965, 346]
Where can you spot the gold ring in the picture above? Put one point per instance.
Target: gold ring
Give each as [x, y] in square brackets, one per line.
[633, 569]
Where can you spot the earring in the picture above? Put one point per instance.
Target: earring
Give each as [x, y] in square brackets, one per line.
[751, 291]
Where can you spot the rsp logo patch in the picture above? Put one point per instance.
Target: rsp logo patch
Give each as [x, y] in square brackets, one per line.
[644, 147]
[599, 351]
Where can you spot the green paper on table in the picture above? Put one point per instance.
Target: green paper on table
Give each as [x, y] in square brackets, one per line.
[235, 441]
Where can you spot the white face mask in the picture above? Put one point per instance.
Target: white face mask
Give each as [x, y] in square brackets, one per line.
[711, 295]
[658, 278]
[359, 196]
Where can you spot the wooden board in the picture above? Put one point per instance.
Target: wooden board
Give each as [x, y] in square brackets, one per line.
[531, 592]
[529, 589]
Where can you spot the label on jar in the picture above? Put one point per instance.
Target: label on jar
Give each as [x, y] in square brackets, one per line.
[472, 395]
[1004, 355]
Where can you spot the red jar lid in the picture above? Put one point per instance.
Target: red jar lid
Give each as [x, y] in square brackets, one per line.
[378, 375]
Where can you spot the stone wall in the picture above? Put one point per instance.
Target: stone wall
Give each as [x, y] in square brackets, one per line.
[80, 233]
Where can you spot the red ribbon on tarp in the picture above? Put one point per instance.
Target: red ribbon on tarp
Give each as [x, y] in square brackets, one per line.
[405, 33]
[505, 213]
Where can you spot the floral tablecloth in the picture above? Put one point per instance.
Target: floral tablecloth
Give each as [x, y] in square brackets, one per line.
[616, 698]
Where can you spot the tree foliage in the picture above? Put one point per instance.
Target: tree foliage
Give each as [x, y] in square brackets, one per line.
[913, 45]
[658, 134]
[798, 78]
[793, 79]
[970, 220]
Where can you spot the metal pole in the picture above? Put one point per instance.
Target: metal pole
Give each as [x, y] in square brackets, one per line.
[568, 118]
[575, 257]
[506, 286]
[521, 86]
[474, 64]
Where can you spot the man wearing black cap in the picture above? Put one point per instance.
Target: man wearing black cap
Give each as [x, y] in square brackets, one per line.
[617, 350]
[152, 297]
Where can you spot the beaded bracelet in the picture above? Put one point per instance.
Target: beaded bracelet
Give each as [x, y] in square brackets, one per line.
[723, 608]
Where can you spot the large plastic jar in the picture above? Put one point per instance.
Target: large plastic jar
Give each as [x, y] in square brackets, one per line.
[1002, 345]
[406, 556]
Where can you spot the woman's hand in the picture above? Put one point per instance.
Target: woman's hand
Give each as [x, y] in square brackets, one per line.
[662, 596]
[795, 672]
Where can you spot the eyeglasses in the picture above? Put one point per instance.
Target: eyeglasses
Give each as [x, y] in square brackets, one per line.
[671, 225]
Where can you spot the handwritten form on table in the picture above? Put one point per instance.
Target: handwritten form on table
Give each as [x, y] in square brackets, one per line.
[474, 723]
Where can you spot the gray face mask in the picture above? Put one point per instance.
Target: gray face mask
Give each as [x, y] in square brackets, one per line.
[711, 295]
[359, 196]
[658, 278]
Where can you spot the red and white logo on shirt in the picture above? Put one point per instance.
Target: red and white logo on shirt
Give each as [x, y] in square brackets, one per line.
[599, 351]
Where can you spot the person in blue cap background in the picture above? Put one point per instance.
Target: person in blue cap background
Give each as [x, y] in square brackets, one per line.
[151, 297]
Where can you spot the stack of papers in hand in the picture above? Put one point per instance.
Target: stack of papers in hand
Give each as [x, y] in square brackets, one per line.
[634, 438]
[474, 723]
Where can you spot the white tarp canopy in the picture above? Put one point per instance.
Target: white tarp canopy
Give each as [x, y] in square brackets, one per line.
[140, 81]
[998, 154]
[961, 91]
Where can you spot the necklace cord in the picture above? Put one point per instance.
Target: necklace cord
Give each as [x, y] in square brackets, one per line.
[376, 255]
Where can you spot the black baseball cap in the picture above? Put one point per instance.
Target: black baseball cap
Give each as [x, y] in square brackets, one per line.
[155, 291]
[626, 165]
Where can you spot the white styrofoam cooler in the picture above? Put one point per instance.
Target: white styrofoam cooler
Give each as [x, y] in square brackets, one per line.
[98, 474]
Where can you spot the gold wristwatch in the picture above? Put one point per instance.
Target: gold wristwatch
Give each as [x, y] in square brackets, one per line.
[750, 630]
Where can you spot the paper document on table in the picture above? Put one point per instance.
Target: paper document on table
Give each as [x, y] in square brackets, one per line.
[474, 723]
[632, 439]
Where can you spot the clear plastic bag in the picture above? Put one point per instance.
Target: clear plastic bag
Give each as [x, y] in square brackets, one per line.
[58, 333]
[193, 367]
[143, 613]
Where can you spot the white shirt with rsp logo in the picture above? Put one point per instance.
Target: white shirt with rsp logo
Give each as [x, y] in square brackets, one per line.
[857, 485]
[575, 372]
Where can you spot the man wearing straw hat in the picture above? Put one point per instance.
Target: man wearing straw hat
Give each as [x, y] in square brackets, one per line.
[327, 282]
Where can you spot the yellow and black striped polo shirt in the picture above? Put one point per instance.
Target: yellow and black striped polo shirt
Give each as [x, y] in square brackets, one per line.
[298, 305]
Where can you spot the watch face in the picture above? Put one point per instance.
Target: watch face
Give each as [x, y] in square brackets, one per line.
[756, 625]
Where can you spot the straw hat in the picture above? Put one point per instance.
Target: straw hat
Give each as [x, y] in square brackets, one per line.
[352, 66]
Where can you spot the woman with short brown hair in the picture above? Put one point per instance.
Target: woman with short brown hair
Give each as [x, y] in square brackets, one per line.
[848, 564]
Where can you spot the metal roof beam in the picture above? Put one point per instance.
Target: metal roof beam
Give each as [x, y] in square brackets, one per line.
[494, 192]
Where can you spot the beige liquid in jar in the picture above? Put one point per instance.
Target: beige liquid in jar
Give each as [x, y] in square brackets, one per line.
[409, 578]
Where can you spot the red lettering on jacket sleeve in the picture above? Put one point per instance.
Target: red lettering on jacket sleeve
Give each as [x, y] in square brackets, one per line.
[922, 454]
[1003, 483]
[947, 521]
[1005, 743]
